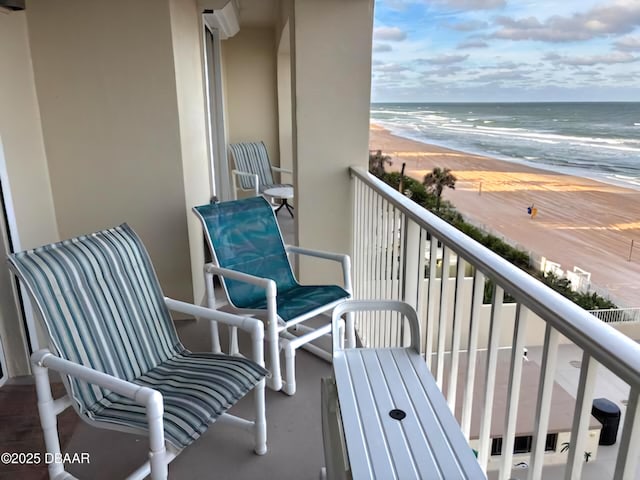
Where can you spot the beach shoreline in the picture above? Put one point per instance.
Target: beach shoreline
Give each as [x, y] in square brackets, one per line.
[581, 222]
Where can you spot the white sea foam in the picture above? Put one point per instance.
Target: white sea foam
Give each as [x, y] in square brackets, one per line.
[599, 141]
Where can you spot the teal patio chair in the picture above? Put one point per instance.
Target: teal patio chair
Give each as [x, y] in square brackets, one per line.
[250, 257]
[113, 341]
[253, 170]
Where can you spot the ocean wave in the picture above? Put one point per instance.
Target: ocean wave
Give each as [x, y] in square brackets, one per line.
[598, 141]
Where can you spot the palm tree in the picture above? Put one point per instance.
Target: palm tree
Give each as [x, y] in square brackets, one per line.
[377, 161]
[437, 180]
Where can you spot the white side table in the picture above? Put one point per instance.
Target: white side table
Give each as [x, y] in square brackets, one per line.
[283, 194]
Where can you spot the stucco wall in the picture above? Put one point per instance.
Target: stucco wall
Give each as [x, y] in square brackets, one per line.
[332, 62]
[27, 181]
[107, 93]
[21, 136]
[250, 88]
[188, 60]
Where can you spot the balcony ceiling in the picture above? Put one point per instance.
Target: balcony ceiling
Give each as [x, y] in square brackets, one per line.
[258, 13]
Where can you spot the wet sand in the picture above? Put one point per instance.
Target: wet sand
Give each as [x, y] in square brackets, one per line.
[580, 222]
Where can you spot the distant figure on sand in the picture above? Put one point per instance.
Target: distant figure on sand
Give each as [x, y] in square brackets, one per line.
[533, 211]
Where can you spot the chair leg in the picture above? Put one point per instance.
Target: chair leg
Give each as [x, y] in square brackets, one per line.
[289, 386]
[273, 363]
[211, 303]
[48, 419]
[351, 330]
[260, 425]
[233, 341]
[215, 338]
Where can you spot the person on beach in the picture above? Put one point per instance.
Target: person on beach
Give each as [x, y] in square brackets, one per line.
[534, 212]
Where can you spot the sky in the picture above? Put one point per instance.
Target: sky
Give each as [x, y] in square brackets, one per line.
[506, 50]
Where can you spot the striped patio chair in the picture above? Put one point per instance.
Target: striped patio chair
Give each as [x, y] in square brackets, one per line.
[250, 257]
[113, 341]
[253, 170]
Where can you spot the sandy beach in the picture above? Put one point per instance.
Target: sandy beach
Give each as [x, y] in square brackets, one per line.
[580, 222]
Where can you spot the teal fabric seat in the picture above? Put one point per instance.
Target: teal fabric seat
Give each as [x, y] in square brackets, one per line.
[244, 237]
[103, 308]
[301, 299]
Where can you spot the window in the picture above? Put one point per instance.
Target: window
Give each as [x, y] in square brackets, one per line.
[525, 444]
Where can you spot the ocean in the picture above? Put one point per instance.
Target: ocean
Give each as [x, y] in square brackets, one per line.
[598, 140]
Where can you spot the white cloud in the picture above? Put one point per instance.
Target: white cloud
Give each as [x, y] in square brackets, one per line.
[389, 34]
[445, 71]
[501, 76]
[628, 43]
[589, 60]
[445, 59]
[617, 17]
[390, 68]
[472, 44]
[472, 4]
[468, 26]
[382, 47]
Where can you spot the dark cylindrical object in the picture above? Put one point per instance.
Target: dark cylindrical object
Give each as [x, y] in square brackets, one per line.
[608, 414]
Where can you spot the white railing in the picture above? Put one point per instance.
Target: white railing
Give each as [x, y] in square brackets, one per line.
[393, 242]
[617, 315]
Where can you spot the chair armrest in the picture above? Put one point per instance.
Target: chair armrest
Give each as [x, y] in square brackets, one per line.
[251, 325]
[141, 395]
[266, 283]
[270, 294]
[149, 398]
[376, 306]
[254, 176]
[343, 259]
[282, 170]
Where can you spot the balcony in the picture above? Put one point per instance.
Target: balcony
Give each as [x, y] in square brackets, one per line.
[488, 359]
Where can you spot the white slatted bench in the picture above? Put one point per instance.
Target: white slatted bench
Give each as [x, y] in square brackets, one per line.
[395, 421]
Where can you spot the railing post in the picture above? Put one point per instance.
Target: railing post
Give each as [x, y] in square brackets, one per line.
[581, 417]
[629, 450]
[543, 407]
[411, 263]
[412, 276]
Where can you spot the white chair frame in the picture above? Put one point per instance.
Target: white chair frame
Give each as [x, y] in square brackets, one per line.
[256, 181]
[277, 336]
[160, 454]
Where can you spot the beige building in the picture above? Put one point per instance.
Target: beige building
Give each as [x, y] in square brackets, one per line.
[121, 111]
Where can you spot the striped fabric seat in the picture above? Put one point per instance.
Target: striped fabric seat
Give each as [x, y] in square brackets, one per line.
[253, 158]
[196, 389]
[103, 308]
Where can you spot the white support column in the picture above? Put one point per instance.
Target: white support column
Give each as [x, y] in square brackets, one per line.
[581, 417]
[443, 315]
[490, 377]
[543, 408]
[629, 449]
[431, 299]
[459, 302]
[412, 263]
[474, 327]
[331, 89]
[513, 392]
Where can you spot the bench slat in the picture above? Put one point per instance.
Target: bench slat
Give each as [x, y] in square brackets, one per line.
[397, 439]
[361, 422]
